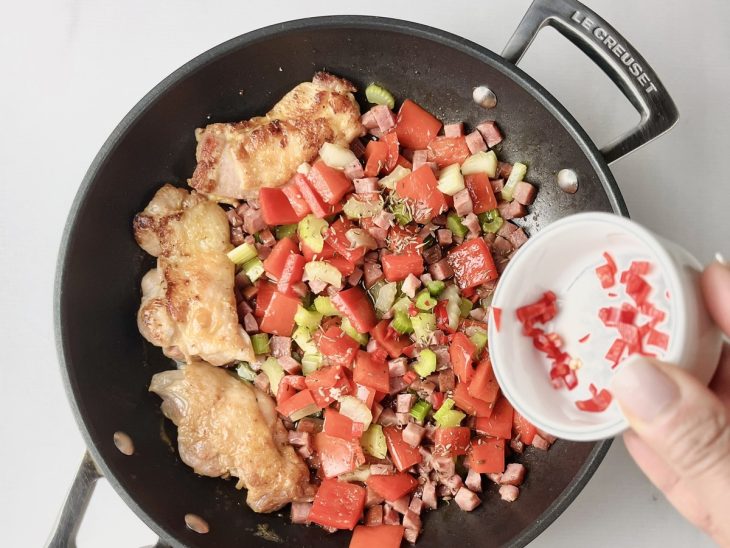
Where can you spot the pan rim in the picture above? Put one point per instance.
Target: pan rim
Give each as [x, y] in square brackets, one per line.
[360, 22]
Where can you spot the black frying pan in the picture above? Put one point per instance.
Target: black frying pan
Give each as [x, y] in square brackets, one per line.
[107, 365]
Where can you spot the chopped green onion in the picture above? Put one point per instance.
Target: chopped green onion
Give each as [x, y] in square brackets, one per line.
[491, 221]
[260, 343]
[386, 297]
[303, 337]
[426, 363]
[420, 410]
[373, 442]
[349, 329]
[324, 306]
[310, 230]
[424, 324]
[479, 339]
[453, 223]
[309, 319]
[355, 208]
[515, 176]
[275, 372]
[451, 180]
[254, 269]
[435, 287]
[402, 323]
[465, 306]
[446, 417]
[323, 272]
[245, 372]
[243, 253]
[284, 231]
[480, 162]
[311, 362]
[402, 213]
[390, 180]
[378, 95]
[425, 301]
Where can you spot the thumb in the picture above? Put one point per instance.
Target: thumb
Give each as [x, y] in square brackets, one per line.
[687, 427]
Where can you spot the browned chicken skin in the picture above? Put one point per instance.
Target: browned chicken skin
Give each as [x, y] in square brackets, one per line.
[226, 426]
[235, 160]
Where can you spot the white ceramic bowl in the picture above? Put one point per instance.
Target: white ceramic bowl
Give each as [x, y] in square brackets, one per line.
[563, 258]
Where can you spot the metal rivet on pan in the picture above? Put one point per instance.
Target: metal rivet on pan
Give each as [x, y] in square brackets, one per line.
[124, 443]
[568, 181]
[484, 97]
[196, 523]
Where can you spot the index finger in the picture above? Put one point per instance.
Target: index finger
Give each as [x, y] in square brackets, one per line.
[715, 283]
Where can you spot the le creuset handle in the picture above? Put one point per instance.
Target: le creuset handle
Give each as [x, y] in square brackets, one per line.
[616, 57]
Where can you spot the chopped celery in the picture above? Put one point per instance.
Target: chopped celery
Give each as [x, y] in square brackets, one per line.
[453, 312]
[349, 329]
[480, 162]
[323, 272]
[425, 301]
[337, 156]
[424, 324]
[435, 287]
[450, 292]
[324, 306]
[356, 410]
[515, 176]
[491, 221]
[479, 339]
[420, 410]
[446, 417]
[361, 474]
[402, 323]
[254, 269]
[245, 372]
[375, 289]
[299, 414]
[403, 304]
[386, 297]
[260, 343]
[308, 319]
[311, 362]
[275, 372]
[393, 177]
[378, 95]
[310, 230]
[373, 442]
[451, 180]
[465, 306]
[243, 253]
[453, 223]
[284, 231]
[303, 337]
[401, 211]
[355, 208]
[426, 363]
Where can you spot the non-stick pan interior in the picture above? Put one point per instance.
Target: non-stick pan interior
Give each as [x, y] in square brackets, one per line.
[108, 365]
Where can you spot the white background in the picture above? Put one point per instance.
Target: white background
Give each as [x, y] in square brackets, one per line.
[70, 70]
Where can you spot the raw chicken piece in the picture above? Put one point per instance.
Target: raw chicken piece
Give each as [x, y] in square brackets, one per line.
[235, 160]
[226, 426]
[188, 305]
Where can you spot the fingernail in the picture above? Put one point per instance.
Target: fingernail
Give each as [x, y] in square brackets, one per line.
[642, 389]
[720, 259]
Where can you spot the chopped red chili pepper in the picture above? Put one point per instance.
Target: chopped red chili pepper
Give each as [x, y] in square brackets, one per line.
[584, 338]
[497, 314]
[599, 402]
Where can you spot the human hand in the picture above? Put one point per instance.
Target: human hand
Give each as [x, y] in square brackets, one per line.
[680, 434]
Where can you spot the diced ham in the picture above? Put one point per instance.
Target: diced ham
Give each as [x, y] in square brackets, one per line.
[474, 481]
[368, 120]
[377, 410]
[411, 520]
[514, 474]
[310, 424]
[509, 493]
[387, 417]
[502, 246]
[357, 148]
[512, 210]
[490, 133]
[390, 516]
[381, 469]
[404, 402]
[372, 272]
[425, 388]
[380, 234]
[374, 515]
[444, 466]
[506, 229]
[441, 270]
[355, 277]
[454, 130]
[237, 237]
[471, 222]
[429, 495]
[384, 117]
[384, 219]
[250, 324]
[504, 169]
[234, 219]
[401, 419]
[317, 286]
[410, 285]
[280, 346]
[420, 157]
[300, 512]
[400, 505]
[354, 170]
[366, 185]
[432, 254]
[413, 434]
[444, 236]
[426, 278]
[416, 505]
[518, 238]
[467, 500]
[253, 221]
[495, 477]
[524, 193]
[375, 132]
[439, 220]
[497, 185]
[462, 203]
[454, 483]
[443, 358]
[548, 437]
[398, 367]
[478, 314]
[475, 142]
[299, 438]
[290, 365]
[517, 446]
[538, 442]
[372, 498]
[263, 250]
[261, 381]
[397, 384]
[447, 380]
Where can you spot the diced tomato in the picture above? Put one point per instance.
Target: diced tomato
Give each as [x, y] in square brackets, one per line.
[597, 403]
[415, 126]
[461, 352]
[419, 188]
[337, 238]
[404, 163]
[336, 346]
[315, 202]
[337, 456]
[274, 263]
[524, 428]
[263, 297]
[294, 195]
[483, 385]
[403, 455]
[356, 306]
[404, 240]
[327, 252]
[448, 150]
[376, 156]
[472, 263]
[437, 400]
[469, 404]
[327, 384]
[442, 317]
[276, 208]
[487, 456]
[297, 402]
[338, 425]
[394, 486]
[331, 184]
[343, 265]
[397, 267]
[499, 424]
[451, 441]
[389, 339]
[285, 392]
[380, 536]
[279, 316]
[291, 273]
[391, 159]
[338, 504]
[481, 192]
[371, 372]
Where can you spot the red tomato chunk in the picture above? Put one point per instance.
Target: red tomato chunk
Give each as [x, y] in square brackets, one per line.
[337, 504]
[394, 486]
[397, 267]
[487, 456]
[472, 263]
[377, 536]
[356, 306]
[415, 126]
[331, 184]
[276, 208]
[279, 316]
[403, 455]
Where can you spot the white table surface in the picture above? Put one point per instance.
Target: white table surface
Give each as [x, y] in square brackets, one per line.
[71, 69]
